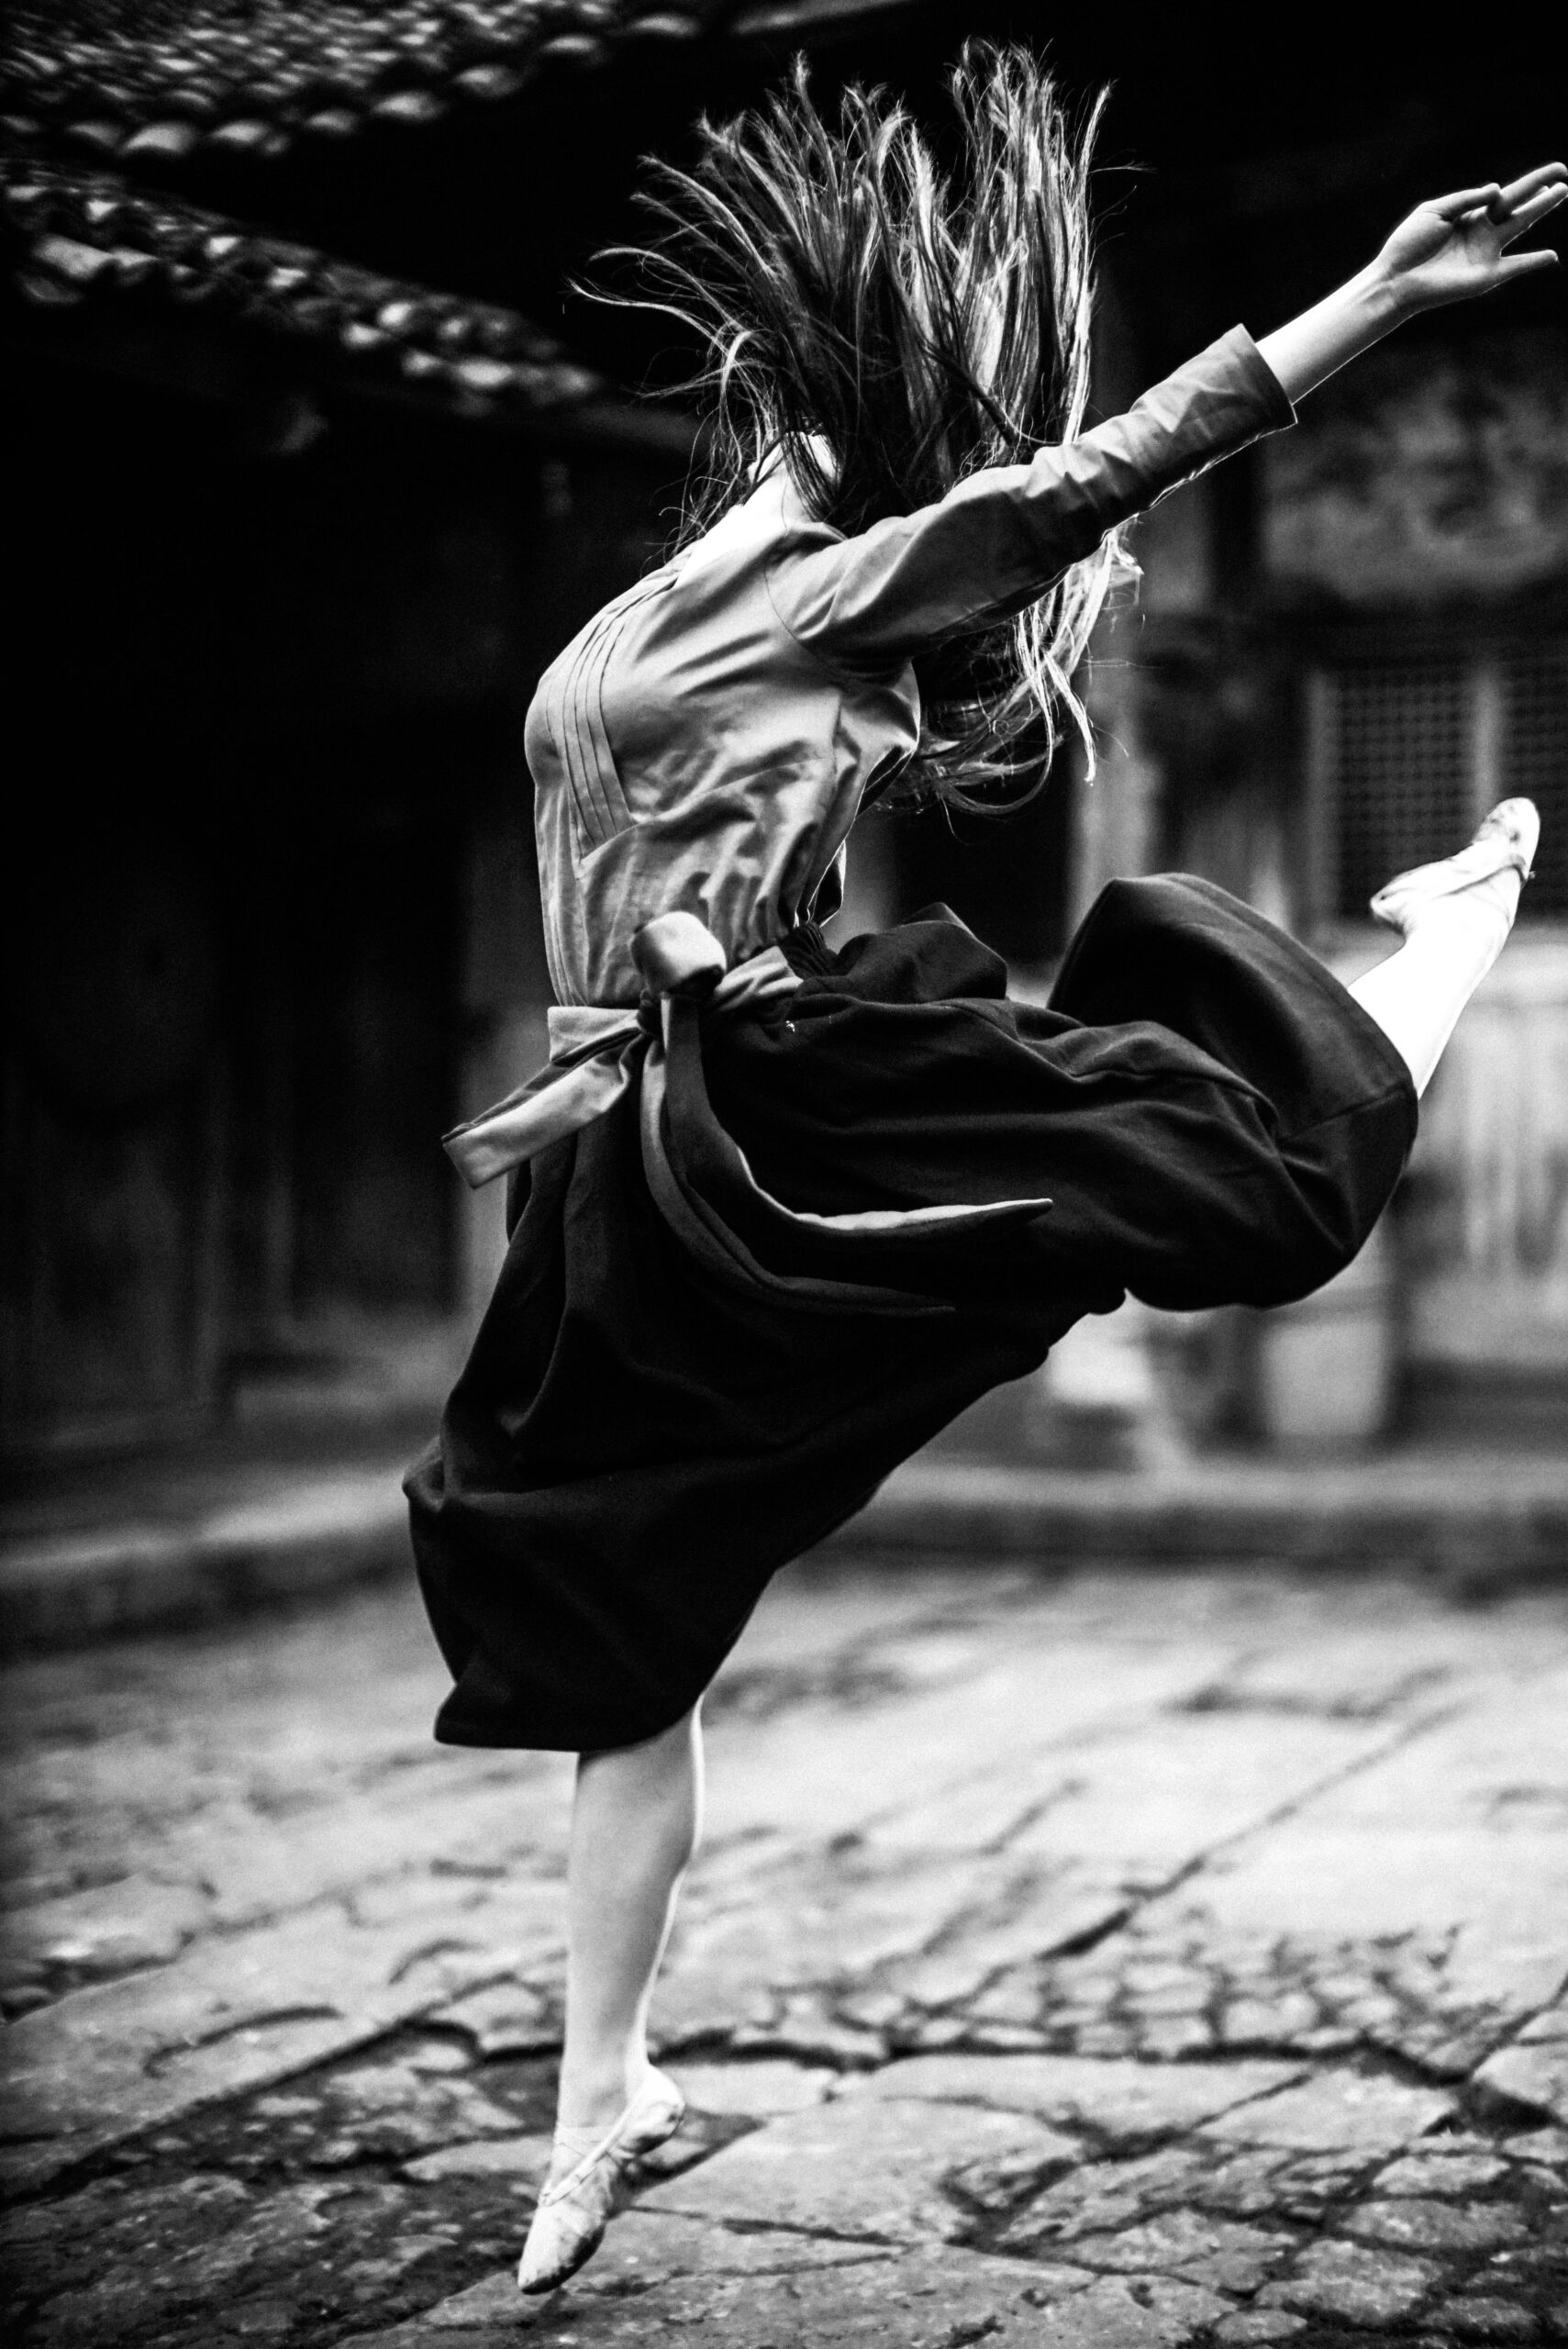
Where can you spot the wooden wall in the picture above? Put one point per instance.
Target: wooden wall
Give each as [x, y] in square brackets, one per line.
[276, 915]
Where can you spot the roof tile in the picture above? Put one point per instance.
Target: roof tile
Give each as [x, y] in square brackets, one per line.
[88, 237]
[153, 81]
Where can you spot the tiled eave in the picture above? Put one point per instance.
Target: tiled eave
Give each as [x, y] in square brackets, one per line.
[151, 84]
[85, 249]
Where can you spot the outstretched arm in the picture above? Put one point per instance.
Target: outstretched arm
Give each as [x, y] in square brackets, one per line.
[998, 540]
[1447, 251]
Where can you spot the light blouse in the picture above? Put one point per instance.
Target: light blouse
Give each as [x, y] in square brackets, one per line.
[705, 744]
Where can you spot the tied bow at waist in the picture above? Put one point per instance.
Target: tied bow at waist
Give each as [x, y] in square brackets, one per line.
[595, 1050]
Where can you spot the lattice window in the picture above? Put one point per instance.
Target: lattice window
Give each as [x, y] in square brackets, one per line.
[1534, 760]
[1408, 755]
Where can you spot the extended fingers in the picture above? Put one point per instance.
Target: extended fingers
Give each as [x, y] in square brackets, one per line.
[1536, 207]
[1524, 265]
[1507, 200]
[1499, 203]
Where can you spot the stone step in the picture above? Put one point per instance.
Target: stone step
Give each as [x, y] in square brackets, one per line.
[1482, 1520]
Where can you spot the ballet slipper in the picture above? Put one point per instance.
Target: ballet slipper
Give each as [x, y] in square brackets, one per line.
[1503, 841]
[574, 2209]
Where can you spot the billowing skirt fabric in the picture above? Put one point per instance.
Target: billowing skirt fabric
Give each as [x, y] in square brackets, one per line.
[677, 1387]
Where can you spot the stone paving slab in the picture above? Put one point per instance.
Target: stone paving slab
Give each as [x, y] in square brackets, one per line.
[219, 1875]
[1061, 1967]
[1455, 1839]
[876, 2171]
[1111, 2098]
[925, 2298]
[257, 1773]
[243, 2011]
[1533, 2068]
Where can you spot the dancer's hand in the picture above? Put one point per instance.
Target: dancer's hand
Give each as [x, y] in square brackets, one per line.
[1447, 251]
[1457, 246]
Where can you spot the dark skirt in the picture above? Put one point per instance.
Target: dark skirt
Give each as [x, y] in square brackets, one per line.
[676, 1388]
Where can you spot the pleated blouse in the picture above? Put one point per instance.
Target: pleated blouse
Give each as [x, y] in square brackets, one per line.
[706, 742]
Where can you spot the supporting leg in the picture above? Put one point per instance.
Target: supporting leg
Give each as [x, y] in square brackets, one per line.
[635, 1824]
[634, 1827]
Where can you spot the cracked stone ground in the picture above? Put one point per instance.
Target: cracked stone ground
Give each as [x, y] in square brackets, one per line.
[1131, 1959]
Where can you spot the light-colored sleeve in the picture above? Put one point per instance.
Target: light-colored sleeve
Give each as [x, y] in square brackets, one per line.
[1001, 538]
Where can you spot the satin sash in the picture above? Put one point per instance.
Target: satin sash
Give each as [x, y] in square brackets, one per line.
[595, 1050]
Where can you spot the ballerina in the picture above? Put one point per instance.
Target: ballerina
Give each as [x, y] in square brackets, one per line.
[778, 1210]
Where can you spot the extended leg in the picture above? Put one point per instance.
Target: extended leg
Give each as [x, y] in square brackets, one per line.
[1452, 937]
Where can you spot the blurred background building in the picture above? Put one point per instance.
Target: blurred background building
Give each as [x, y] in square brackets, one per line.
[316, 462]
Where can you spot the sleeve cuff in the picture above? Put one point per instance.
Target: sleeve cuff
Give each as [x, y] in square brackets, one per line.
[1259, 377]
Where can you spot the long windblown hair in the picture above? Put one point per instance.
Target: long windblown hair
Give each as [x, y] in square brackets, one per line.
[886, 332]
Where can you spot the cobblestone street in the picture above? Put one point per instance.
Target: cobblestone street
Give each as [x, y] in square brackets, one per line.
[1131, 1959]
